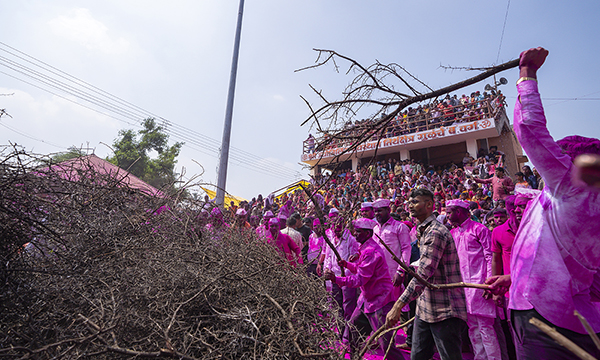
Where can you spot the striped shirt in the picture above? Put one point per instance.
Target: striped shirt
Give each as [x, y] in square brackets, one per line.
[439, 264]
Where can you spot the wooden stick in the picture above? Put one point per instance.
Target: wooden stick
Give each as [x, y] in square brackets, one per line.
[589, 329]
[425, 282]
[379, 333]
[561, 339]
[392, 341]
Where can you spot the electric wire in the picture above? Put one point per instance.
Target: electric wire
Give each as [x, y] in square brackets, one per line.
[209, 150]
[199, 146]
[130, 111]
[141, 112]
[503, 27]
[31, 137]
[241, 155]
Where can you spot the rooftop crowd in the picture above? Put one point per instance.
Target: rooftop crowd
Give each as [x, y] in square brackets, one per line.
[428, 116]
[531, 236]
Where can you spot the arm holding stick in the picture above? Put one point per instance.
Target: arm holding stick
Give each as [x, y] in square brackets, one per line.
[427, 283]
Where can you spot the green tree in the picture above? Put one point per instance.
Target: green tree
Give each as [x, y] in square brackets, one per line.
[71, 153]
[132, 153]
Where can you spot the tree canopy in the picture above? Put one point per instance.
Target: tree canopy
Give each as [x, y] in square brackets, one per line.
[71, 153]
[132, 152]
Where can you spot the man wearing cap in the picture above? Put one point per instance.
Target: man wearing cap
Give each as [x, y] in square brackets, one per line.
[396, 236]
[284, 243]
[217, 222]
[366, 210]
[240, 219]
[473, 243]
[441, 314]
[347, 248]
[369, 274]
[263, 230]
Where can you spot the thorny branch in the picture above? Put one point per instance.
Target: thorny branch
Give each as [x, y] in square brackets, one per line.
[92, 269]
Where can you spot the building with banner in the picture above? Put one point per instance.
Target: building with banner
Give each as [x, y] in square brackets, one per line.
[434, 138]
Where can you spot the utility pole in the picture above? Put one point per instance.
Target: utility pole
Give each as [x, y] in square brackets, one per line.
[224, 157]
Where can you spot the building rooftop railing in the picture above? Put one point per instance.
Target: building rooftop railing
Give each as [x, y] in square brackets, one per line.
[410, 121]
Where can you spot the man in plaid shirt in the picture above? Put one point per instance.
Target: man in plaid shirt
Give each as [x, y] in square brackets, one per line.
[441, 314]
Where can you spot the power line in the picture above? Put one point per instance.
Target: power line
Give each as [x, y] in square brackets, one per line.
[132, 112]
[31, 137]
[503, 27]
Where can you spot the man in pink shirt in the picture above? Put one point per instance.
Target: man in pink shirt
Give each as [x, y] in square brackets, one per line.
[284, 243]
[217, 222]
[370, 273]
[263, 230]
[502, 185]
[556, 253]
[396, 236]
[474, 251]
[347, 247]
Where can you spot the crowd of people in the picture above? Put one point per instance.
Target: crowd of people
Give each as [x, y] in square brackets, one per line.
[428, 116]
[382, 235]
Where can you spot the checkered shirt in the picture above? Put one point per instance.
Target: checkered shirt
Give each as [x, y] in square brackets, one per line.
[438, 264]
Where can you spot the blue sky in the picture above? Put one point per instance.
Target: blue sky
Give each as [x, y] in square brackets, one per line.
[173, 58]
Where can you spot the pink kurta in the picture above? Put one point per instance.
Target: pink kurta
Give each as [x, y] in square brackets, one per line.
[288, 247]
[370, 273]
[555, 265]
[396, 236]
[346, 245]
[315, 246]
[473, 244]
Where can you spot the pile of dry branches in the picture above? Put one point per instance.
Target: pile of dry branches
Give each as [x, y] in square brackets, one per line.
[90, 269]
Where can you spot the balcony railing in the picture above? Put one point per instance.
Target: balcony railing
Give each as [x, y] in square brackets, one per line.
[410, 121]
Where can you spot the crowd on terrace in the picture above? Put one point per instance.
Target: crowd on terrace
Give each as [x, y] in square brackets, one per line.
[445, 112]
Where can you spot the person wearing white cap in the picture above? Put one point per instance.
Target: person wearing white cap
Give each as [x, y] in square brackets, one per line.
[263, 230]
[473, 243]
[333, 213]
[396, 236]
[366, 210]
[284, 243]
[369, 274]
[240, 219]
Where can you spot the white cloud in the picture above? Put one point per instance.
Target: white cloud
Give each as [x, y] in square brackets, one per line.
[79, 25]
[278, 97]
